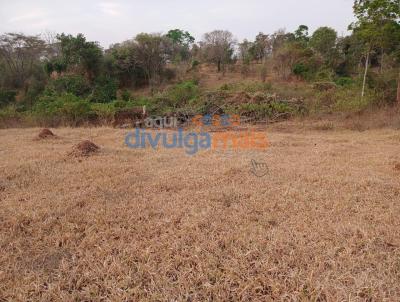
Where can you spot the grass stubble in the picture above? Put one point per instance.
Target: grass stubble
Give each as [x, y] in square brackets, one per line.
[145, 225]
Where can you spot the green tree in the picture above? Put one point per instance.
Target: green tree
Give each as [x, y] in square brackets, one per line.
[181, 42]
[301, 34]
[323, 41]
[376, 20]
[80, 55]
[181, 37]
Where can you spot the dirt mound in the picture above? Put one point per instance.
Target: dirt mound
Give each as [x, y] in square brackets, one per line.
[46, 133]
[85, 148]
[397, 167]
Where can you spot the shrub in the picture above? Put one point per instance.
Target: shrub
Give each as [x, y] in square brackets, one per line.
[349, 100]
[10, 117]
[103, 112]
[125, 95]
[105, 90]
[301, 70]
[324, 86]
[344, 81]
[7, 97]
[34, 90]
[66, 109]
[265, 110]
[252, 87]
[385, 86]
[195, 63]
[182, 93]
[73, 84]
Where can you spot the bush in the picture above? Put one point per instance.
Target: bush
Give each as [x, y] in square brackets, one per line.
[265, 110]
[349, 100]
[385, 86]
[195, 63]
[301, 70]
[125, 95]
[73, 84]
[103, 112]
[181, 93]
[7, 97]
[324, 86]
[344, 81]
[66, 109]
[34, 90]
[10, 117]
[105, 90]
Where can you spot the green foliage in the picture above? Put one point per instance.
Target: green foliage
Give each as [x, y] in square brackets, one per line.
[324, 41]
[126, 95]
[105, 90]
[56, 65]
[248, 87]
[301, 70]
[180, 37]
[73, 84]
[385, 86]
[195, 63]
[301, 34]
[103, 112]
[77, 53]
[64, 109]
[344, 81]
[350, 101]
[34, 90]
[182, 93]
[266, 110]
[7, 97]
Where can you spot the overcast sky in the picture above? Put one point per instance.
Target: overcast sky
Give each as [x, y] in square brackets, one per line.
[112, 21]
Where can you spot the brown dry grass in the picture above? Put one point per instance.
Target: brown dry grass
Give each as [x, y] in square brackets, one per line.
[144, 225]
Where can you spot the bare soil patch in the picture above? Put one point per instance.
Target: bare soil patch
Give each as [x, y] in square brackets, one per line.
[84, 148]
[45, 134]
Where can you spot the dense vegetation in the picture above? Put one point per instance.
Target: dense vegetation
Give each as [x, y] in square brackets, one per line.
[65, 79]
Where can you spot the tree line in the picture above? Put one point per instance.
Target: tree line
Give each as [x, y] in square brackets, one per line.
[50, 65]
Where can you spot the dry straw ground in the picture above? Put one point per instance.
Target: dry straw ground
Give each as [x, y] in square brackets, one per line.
[144, 225]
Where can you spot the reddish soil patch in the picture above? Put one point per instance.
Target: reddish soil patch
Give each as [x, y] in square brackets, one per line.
[85, 148]
[46, 133]
[397, 166]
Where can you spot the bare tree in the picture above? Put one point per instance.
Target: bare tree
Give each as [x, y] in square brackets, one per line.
[218, 47]
[152, 51]
[21, 53]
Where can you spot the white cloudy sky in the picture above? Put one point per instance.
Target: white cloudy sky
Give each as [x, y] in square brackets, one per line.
[111, 21]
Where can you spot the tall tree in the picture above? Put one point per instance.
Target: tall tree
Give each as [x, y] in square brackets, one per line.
[301, 34]
[179, 36]
[218, 47]
[152, 52]
[81, 55]
[323, 41]
[373, 17]
[262, 47]
[181, 42]
[20, 55]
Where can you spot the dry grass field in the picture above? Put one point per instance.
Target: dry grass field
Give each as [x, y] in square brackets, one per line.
[145, 225]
